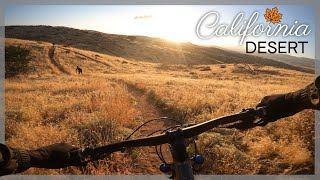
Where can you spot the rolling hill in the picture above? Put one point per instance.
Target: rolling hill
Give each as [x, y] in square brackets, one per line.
[293, 60]
[140, 48]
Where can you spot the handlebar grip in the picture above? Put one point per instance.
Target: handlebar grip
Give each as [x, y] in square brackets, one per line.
[75, 156]
[1, 159]
[314, 92]
[5, 155]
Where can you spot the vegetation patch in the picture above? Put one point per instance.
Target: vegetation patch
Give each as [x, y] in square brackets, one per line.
[17, 60]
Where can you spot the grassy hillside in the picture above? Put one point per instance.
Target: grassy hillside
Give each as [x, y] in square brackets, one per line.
[288, 59]
[51, 103]
[139, 47]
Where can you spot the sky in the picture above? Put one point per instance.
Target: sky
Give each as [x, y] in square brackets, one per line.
[177, 23]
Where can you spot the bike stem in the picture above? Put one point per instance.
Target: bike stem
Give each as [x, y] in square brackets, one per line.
[182, 165]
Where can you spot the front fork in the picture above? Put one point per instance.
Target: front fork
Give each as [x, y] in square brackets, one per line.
[182, 165]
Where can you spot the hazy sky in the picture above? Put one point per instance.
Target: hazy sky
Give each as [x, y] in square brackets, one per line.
[171, 22]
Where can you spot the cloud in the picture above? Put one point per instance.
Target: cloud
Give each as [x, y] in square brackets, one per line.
[143, 17]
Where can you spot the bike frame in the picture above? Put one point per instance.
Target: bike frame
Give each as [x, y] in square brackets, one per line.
[182, 164]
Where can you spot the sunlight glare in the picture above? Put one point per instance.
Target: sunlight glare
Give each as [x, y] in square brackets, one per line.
[170, 23]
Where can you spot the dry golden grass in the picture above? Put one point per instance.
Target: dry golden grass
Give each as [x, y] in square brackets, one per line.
[47, 106]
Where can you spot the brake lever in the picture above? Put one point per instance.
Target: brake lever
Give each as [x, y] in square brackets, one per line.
[250, 121]
[85, 155]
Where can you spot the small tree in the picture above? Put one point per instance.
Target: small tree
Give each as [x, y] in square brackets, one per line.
[16, 60]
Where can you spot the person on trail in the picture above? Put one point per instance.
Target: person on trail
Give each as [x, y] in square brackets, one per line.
[59, 155]
[78, 70]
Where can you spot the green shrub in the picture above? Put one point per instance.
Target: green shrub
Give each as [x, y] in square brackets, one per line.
[16, 60]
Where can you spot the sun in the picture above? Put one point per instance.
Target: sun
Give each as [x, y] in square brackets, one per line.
[170, 23]
[173, 33]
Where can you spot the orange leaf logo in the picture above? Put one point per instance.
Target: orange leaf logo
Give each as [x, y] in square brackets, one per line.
[272, 15]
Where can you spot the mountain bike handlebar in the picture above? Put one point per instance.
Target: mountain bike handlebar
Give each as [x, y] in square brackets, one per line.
[247, 116]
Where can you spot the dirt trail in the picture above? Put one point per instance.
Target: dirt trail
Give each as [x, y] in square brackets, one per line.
[55, 64]
[148, 160]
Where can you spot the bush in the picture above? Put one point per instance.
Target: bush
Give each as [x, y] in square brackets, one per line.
[99, 132]
[16, 60]
[205, 68]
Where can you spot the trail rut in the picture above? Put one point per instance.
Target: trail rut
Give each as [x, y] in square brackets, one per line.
[148, 160]
[54, 63]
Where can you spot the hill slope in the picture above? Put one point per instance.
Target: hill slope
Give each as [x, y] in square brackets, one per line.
[138, 47]
[288, 59]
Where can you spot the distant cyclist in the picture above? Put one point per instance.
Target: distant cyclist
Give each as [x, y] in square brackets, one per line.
[78, 70]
